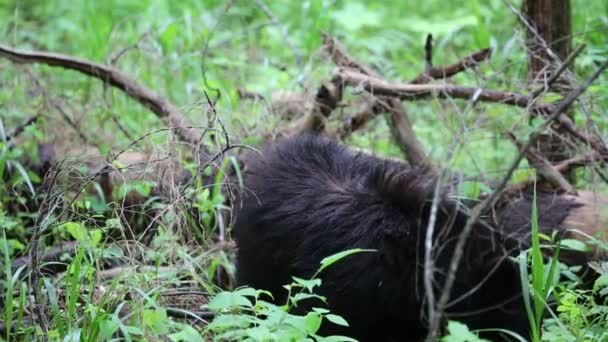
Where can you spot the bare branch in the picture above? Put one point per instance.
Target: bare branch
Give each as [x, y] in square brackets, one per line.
[19, 129]
[341, 58]
[357, 120]
[544, 167]
[410, 92]
[452, 69]
[401, 127]
[535, 93]
[153, 101]
[404, 133]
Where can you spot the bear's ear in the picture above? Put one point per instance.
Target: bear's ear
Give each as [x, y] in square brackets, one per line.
[409, 189]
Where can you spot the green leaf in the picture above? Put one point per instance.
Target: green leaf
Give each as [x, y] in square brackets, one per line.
[132, 330]
[168, 36]
[96, 235]
[108, 327]
[303, 296]
[156, 320]
[247, 291]
[188, 334]
[24, 176]
[308, 284]
[226, 321]
[573, 244]
[458, 332]
[228, 300]
[330, 260]
[260, 333]
[600, 284]
[313, 322]
[76, 230]
[335, 319]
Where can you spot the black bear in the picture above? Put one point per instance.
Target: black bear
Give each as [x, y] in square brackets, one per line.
[309, 197]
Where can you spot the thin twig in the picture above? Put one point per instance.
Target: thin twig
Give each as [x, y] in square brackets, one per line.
[453, 69]
[282, 28]
[544, 167]
[19, 129]
[538, 91]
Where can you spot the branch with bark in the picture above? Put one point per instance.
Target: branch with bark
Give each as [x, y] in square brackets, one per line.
[159, 105]
[411, 92]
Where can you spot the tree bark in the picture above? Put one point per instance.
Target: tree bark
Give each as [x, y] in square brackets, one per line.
[549, 41]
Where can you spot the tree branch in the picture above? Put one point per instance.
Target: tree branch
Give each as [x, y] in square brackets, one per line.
[146, 97]
[410, 92]
[401, 127]
[452, 69]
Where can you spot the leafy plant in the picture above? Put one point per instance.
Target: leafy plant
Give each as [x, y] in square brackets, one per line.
[244, 316]
[543, 277]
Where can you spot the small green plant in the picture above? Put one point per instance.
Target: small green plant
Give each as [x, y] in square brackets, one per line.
[582, 314]
[243, 315]
[538, 284]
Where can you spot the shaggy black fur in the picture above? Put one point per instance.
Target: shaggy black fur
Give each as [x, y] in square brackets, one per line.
[309, 197]
[552, 210]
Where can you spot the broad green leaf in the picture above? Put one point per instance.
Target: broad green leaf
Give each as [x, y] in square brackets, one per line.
[188, 334]
[228, 300]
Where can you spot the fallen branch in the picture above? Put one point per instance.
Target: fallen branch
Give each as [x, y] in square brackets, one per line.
[146, 97]
[341, 58]
[51, 257]
[563, 168]
[410, 92]
[544, 167]
[452, 69]
[566, 123]
[326, 100]
[578, 161]
[401, 127]
[19, 129]
[403, 132]
[357, 120]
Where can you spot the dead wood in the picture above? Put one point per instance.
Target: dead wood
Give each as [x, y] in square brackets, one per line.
[51, 258]
[411, 92]
[453, 69]
[137, 91]
[544, 168]
[327, 98]
[401, 127]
